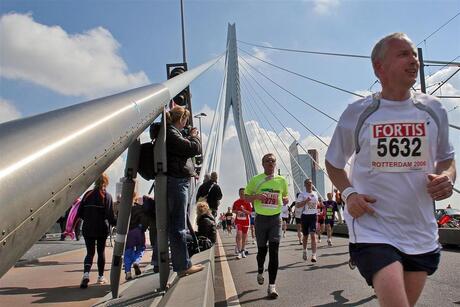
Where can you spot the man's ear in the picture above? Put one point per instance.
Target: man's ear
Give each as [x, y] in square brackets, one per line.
[377, 65]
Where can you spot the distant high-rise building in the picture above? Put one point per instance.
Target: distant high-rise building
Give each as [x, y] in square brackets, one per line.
[308, 166]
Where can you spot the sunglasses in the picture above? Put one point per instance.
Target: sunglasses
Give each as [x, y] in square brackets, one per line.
[270, 161]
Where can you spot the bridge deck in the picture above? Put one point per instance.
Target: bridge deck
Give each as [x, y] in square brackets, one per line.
[53, 280]
[329, 282]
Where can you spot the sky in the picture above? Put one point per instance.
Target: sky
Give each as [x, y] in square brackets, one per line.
[56, 53]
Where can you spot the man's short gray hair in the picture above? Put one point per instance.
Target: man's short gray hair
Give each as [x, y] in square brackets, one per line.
[379, 50]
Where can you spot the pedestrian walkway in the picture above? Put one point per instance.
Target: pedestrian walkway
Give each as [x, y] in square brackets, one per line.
[55, 281]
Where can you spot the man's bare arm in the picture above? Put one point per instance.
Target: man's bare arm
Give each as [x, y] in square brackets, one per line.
[440, 185]
[357, 204]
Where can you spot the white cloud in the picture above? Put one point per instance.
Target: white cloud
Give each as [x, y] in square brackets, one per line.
[82, 64]
[325, 7]
[450, 88]
[8, 111]
[116, 171]
[262, 54]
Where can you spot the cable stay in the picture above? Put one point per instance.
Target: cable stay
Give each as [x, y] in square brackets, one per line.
[444, 82]
[342, 54]
[305, 102]
[307, 51]
[292, 94]
[303, 76]
[443, 66]
[292, 115]
[263, 139]
[282, 142]
[282, 125]
[277, 152]
[445, 24]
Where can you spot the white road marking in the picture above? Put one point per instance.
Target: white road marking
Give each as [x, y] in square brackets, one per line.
[231, 296]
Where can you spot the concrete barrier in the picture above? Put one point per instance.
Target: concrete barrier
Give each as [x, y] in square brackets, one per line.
[447, 236]
[196, 289]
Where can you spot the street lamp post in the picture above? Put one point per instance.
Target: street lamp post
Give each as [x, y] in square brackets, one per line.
[199, 116]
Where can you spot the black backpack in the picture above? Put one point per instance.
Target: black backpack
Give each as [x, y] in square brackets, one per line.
[146, 166]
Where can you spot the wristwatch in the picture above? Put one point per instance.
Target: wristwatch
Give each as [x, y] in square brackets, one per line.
[347, 192]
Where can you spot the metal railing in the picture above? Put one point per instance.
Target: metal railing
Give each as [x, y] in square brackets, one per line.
[50, 159]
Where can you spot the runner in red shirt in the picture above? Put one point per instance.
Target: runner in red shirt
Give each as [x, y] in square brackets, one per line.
[242, 209]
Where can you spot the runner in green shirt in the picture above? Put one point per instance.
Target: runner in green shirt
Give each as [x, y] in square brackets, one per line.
[268, 192]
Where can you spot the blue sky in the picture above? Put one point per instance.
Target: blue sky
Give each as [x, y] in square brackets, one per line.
[58, 53]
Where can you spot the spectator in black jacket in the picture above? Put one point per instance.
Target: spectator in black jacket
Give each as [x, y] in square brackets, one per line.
[180, 150]
[205, 221]
[97, 214]
[210, 192]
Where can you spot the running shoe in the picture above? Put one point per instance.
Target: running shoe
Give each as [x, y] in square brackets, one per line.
[329, 242]
[319, 240]
[128, 276]
[260, 279]
[313, 258]
[239, 256]
[243, 254]
[245, 251]
[305, 255]
[271, 291]
[101, 280]
[137, 270]
[84, 281]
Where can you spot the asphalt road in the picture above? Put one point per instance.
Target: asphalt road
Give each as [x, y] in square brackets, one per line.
[329, 282]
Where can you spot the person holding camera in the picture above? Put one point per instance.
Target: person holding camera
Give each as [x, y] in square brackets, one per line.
[180, 149]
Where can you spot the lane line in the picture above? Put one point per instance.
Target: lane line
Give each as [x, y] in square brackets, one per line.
[231, 296]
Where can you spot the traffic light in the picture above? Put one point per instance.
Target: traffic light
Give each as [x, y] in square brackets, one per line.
[183, 98]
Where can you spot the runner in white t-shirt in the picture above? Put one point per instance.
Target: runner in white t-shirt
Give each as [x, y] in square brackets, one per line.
[308, 201]
[285, 217]
[297, 216]
[402, 163]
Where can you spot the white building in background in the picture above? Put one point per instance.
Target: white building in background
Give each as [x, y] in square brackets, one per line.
[308, 166]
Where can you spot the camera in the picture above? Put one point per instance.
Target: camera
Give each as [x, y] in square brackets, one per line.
[186, 130]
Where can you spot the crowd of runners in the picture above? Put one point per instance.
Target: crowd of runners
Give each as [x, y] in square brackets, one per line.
[399, 141]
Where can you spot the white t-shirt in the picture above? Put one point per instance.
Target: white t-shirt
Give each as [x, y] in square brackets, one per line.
[298, 212]
[400, 145]
[310, 206]
[285, 211]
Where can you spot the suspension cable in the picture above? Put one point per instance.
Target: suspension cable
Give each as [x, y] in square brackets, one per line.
[342, 54]
[302, 76]
[292, 94]
[444, 82]
[443, 66]
[278, 153]
[282, 125]
[282, 142]
[307, 51]
[445, 24]
[284, 108]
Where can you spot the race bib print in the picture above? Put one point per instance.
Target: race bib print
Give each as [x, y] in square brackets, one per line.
[399, 147]
[272, 200]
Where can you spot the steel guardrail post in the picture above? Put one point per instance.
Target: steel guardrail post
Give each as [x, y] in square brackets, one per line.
[124, 214]
[161, 203]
